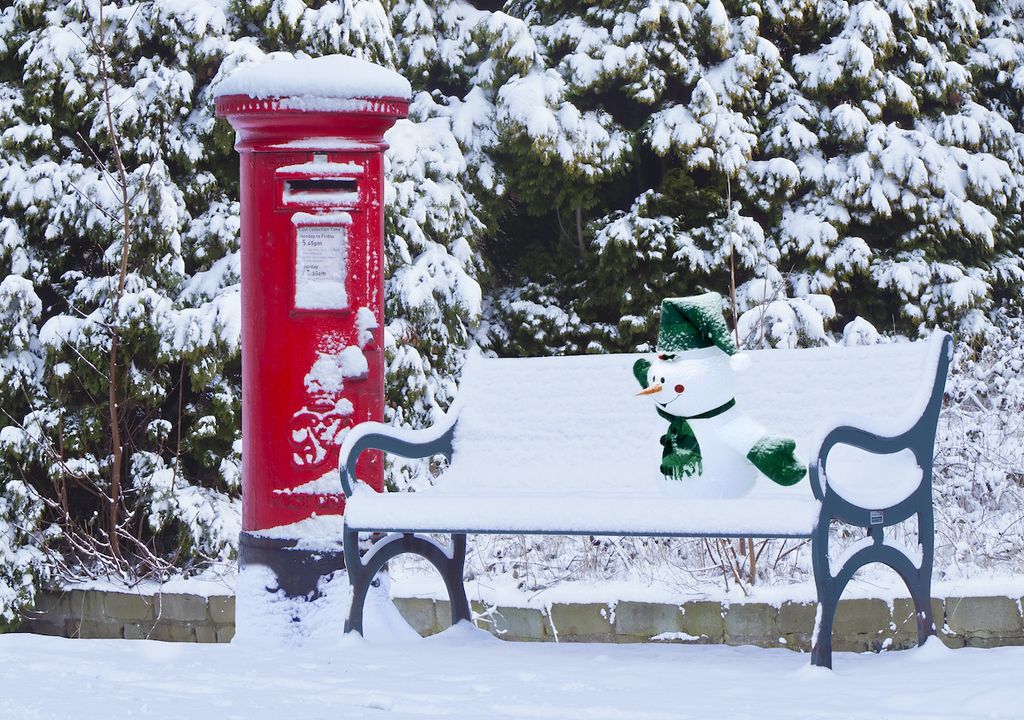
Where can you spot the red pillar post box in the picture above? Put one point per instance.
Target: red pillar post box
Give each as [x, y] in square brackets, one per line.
[310, 141]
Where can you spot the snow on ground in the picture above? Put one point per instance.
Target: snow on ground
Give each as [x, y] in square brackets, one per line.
[273, 671]
[464, 673]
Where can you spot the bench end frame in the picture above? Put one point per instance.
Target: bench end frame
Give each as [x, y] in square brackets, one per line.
[363, 568]
[920, 439]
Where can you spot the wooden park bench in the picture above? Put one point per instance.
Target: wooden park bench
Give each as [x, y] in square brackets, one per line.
[560, 446]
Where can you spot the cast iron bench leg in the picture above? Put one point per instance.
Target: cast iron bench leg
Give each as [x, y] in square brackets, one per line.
[450, 562]
[830, 587]
[821, 640]
[453, 574]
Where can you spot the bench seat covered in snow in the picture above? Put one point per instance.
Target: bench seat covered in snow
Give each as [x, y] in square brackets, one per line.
[561, 445]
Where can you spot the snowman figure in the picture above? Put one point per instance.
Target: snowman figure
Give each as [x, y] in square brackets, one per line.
[710, 444]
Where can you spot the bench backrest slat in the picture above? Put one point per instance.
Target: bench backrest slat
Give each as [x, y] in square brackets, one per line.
[575, 423]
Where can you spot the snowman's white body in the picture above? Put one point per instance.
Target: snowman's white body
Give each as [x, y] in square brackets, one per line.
[706, 377]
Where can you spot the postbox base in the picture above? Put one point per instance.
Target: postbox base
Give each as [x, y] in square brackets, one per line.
[298, 570]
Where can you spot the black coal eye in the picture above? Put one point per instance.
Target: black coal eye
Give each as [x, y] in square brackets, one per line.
[663, 381]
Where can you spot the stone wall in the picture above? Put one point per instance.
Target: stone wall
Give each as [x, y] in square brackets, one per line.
[163, 616]
[861, 624]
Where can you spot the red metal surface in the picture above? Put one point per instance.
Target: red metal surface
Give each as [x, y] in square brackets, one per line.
[307, 169]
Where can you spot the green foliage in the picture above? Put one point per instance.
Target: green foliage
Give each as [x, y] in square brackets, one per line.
[841, 160]
[566, 165]
[64, 217]
[176, 318]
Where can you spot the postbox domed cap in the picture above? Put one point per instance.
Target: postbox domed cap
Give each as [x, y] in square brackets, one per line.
[331, 77]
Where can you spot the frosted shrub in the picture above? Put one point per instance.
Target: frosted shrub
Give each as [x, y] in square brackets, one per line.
[979, 466]
[118, 289]
[23, 566]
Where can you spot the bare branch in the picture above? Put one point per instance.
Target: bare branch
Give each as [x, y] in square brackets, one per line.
[110, 216]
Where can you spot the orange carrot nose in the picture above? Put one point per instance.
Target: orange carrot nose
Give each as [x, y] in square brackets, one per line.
[651, 390]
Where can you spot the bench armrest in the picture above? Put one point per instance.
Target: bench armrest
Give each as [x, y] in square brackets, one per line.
[864, 440]
[919, 437]
[435, 440]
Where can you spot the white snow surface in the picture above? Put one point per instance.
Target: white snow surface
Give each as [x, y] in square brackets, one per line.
[329, 372]
[326, 143]
[596, 513]
[563, 444]
[329, 482]
[325, 218]
[466, 674]
[322, 169]
[319, 532]
[331, 77]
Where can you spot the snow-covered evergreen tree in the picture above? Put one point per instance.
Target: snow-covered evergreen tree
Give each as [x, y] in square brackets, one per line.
[854, 165]
[849, 159]
[174, 311]
[115, 225]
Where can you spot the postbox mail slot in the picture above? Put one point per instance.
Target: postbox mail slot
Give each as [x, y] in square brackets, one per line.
[320, 183]
[334, 192]
[298, 187]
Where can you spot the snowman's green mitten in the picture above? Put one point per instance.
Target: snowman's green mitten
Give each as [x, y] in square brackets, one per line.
[774, 456]
[640, 368]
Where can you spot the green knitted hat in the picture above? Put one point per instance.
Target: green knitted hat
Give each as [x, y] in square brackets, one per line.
[694, 322]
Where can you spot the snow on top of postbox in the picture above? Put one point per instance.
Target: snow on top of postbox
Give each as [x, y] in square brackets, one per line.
[331, 77]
